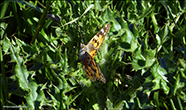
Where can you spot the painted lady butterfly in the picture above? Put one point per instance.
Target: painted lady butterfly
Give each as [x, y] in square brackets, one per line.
[88, 52]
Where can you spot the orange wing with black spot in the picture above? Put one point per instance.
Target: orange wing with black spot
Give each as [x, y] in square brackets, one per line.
[96, 42]
[93, 72]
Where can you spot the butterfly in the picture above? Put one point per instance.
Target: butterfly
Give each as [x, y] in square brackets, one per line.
[89, 51]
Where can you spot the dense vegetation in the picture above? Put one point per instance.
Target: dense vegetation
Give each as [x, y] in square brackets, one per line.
[143, 56]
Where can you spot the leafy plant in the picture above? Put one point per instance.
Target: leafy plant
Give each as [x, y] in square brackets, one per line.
[143, 56]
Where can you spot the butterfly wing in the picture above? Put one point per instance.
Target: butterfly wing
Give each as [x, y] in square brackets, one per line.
[96, 42]
[93, 72]
[98, 74]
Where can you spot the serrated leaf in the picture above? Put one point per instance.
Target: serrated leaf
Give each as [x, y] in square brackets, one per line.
[20, 69]
[160, 80]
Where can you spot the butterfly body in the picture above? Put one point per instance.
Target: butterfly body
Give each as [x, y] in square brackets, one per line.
[88, 52]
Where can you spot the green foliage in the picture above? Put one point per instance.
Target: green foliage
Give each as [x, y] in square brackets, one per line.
[143, 56]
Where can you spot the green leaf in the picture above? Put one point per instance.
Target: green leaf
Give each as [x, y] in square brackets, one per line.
[160, 80]
[183, 63]
[20, 69]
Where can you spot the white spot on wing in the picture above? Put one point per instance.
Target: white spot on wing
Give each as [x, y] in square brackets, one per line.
[102, 30]
[96, 37]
